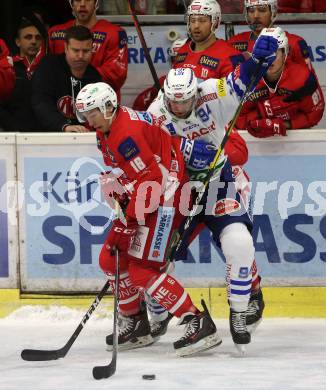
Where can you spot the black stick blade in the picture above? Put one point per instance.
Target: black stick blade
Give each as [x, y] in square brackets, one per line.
[39, 355]
[102, 372]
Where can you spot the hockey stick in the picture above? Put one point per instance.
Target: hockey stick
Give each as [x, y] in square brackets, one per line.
[180, 236]
[43, 355]
[144, 45]
[101, 372]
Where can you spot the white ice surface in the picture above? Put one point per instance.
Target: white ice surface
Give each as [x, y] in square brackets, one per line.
[285, 354]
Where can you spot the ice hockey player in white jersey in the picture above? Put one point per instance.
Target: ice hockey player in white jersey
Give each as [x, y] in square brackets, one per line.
[203, 111]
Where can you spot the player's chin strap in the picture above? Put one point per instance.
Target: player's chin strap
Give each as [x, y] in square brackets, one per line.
[176, 241]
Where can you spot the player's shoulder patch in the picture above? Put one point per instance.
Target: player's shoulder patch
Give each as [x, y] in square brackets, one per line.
[180, 58]
[128, 149]
[145, 116]
[304, 48]
[123, 38]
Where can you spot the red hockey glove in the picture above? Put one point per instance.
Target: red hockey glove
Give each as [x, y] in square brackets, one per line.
[262, 128]
[120, 236]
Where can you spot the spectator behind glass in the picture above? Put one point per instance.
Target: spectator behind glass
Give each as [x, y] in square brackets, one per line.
[295, 6]
[231, 6]
[58, 80]
[260, 14]
[319, 5]
[282, 101]
[7, 74]
[17, 113]
[110, 53]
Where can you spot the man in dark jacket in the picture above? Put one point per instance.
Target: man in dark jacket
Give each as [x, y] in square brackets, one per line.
[16, 114]
[58, 80]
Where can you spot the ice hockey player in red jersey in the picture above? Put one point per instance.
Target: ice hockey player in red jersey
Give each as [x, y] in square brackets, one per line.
[261, 14]
[281, 101]
[152, 161]
[206, 55]
[110, 52]
[7, 74]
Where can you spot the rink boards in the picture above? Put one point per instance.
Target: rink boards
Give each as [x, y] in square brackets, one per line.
[52, 244]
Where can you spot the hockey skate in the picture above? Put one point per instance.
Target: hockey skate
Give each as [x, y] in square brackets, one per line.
[159, 328]
[254, 312]
[200, 334]
[238, 329]
[134, 332]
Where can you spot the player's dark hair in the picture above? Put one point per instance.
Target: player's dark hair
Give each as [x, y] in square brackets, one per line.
[80, 33]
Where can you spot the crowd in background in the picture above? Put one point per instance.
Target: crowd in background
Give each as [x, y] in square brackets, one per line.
[39, 82]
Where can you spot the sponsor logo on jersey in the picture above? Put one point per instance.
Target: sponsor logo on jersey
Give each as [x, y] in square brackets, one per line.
[145, 117]
[139, 242]
[283, 91]
[221, 87]
[206, 98]
[243, 272]
[128, 149]
[241, 46]
[161, 234]
[99, 36]
[191, 127]
[160, 120]
[66, 106]
[204, 130]
[208, 61]
[180, 57]
[226, 206]
[256, 95]
[58, 35]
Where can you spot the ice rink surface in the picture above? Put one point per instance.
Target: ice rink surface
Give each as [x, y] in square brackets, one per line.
[285, 354]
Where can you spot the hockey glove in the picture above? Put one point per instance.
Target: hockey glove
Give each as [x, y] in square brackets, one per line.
[197, 154]
[262, 128]
[115, 186]
[266, 47]
[120, 236]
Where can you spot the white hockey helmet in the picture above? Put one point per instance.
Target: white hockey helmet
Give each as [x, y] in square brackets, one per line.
[279, 35]
[271, 3]
[96, 95]
[205, 7]
[180, 85]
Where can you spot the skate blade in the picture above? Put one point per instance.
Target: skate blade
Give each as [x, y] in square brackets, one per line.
[138, 342]
[252, 328]
[241, 348]
[202, 345]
